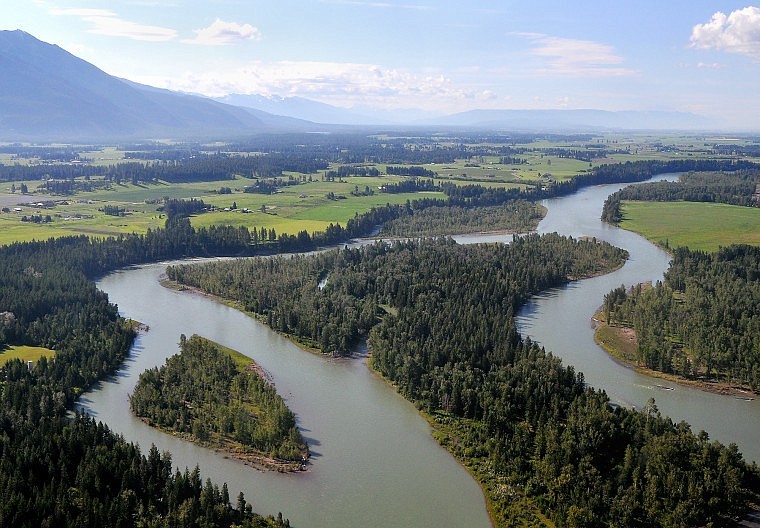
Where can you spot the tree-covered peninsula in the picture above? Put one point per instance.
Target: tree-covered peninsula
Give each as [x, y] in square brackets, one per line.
[216, 398]
[439, 321]
[702, 323]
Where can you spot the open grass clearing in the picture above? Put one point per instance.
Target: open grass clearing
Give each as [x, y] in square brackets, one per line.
[24, 353]
[696, 225]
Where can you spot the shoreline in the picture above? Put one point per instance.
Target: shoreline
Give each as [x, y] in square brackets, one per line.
[166, 282]
[254, 459]
[714, 387]
[225, 446]
[439, 435]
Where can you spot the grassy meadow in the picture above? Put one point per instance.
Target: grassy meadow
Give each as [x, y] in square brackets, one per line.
[696, 225]
[24, 353]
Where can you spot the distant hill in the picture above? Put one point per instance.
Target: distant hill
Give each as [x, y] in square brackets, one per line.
[576, 120]
[301, 108]
[46, 93]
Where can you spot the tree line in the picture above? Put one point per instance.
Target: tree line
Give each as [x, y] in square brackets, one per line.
[517, 216]
[703, 321]
[439, 321]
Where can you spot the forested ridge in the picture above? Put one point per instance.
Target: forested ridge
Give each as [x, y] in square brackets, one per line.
[703, 321]
[734, 188]
[440, 326]
[203, 394]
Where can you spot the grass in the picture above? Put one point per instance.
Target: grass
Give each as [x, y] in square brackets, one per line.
[242, 362]
[24, 353]
[618, 341]
[306, 206]
[696, 225]
[296, 208]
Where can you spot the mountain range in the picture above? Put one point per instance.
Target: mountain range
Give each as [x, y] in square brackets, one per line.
[47, 94]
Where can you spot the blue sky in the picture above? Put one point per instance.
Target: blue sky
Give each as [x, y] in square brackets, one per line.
[436, 55]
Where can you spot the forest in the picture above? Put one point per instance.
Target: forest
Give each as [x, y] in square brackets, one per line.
[734, 188]
[439, 322]
[202, 394]
[57, 470]
[285, 291]
[703, 321]
[518, 216]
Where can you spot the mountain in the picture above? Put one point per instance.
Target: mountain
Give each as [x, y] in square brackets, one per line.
[301, 108]
[534, 120]
[46, 93]
[557, 120]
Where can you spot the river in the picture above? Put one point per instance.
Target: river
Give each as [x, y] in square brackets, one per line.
[560, 320]
[374, 461]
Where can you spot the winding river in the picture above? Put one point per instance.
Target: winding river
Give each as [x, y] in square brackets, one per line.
[374, 461]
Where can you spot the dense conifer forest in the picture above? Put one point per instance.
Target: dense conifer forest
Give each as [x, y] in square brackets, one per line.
[203, 394]
[703, 322]
[439, 321]
[61, 471]
[518, 216]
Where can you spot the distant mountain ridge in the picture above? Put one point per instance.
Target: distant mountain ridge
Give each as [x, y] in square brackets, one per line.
[588, 119]
[47, 93]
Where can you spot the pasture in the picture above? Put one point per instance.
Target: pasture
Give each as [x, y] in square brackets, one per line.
[696, 225]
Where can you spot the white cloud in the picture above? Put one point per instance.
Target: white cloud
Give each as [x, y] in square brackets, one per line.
[576, 58]
[221, 33]
[341, 84]
[105, 22]
[382, 5]
[738, 32]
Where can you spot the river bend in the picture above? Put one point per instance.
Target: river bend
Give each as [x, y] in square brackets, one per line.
[375, 463]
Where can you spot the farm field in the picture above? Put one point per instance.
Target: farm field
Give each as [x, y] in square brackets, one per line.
[296, 208]
[696, 225]
[317, 199]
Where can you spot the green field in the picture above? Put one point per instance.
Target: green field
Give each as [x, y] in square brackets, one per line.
[696, 225]
[298, 207]
[307, 206]
[24, 353]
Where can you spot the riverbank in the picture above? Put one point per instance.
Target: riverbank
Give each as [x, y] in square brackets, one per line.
[166, 282]
[233, 450]
[620, 343]
[506, 504]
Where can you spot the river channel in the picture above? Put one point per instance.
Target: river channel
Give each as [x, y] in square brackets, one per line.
[560, 320]
[374, 461]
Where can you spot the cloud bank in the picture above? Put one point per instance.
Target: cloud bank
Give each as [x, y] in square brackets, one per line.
[105, 22]
[341, 84]
[738, 32]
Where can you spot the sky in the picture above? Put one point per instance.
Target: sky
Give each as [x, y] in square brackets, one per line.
[440, 56]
